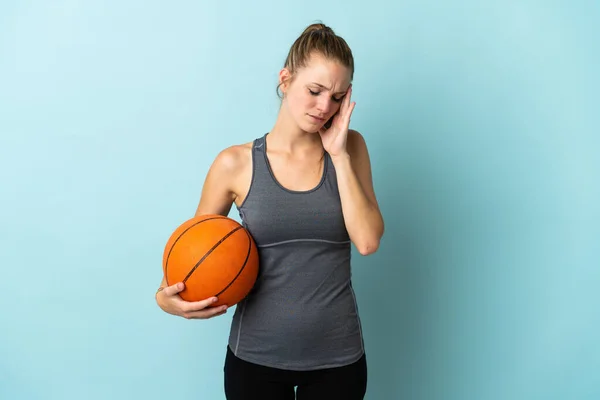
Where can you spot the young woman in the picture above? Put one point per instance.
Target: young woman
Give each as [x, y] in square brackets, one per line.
[304, 191]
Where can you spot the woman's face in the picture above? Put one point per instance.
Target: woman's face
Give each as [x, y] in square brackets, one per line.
[315, 92]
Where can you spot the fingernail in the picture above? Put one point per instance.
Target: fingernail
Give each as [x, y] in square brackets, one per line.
[214, 299]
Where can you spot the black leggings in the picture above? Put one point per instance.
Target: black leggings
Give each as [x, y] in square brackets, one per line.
[248, 381]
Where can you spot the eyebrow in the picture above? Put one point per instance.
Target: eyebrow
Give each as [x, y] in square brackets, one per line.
[325, 87]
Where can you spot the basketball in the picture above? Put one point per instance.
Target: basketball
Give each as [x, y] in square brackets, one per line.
[212, 255]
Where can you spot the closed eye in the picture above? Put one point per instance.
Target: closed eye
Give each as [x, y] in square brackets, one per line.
[337, 100]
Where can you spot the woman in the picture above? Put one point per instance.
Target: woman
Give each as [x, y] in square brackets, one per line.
[304, 192]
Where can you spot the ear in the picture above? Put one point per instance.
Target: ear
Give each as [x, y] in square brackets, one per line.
[285, 78]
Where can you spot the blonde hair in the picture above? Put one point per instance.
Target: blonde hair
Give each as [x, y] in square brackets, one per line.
[318, 39]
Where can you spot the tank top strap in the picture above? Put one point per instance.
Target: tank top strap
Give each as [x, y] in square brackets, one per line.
[260, 169]
[258, 146]
[261, 182]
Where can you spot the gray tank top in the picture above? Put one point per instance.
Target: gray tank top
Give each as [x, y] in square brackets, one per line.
[302, 313]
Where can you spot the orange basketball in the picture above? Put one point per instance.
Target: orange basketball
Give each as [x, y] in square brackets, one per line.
[214, 256]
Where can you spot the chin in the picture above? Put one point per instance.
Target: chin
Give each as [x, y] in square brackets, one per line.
[310, 127]
[307, 127]
[313, 130]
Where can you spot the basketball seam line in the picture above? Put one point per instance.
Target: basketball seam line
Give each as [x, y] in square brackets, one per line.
[242, 267]
[179, 237]
[210, 251]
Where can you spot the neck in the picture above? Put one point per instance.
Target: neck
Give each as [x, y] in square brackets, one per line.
[288, 137]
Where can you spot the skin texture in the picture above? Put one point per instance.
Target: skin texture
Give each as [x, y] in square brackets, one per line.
[312, 96]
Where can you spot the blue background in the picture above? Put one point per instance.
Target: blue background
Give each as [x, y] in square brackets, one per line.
[482, 119]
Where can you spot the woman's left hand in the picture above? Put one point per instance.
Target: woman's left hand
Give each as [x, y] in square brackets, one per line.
[334, 139]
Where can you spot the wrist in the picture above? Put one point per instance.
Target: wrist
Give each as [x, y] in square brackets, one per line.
[341, 157]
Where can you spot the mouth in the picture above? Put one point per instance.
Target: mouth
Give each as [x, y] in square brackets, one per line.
[318, 119]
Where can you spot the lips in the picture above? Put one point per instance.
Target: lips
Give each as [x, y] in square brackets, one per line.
[317, 118]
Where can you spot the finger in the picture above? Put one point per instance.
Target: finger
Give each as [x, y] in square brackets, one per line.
[348, 97]
[174, 289]
[199, 305]
[205, 314]
[344, 109]
[349, 113]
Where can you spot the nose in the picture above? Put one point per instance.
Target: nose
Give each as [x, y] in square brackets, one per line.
[324, 105]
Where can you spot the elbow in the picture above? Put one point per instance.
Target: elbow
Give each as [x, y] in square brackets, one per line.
[368, 243]
[368, 247]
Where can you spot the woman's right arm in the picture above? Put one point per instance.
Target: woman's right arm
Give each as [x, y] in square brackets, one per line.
[217, 197]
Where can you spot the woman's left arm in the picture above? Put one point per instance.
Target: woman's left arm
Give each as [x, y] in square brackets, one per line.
[362, 215]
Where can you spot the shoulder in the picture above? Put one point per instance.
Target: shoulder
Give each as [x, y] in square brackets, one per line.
[356, 145]
[355, 138]
[233, 159]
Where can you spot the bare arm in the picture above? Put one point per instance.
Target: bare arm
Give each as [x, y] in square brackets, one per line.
[362, 215]
[218, 192]
[217, 197]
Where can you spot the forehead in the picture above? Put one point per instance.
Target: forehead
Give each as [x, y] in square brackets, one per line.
[328, 73]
